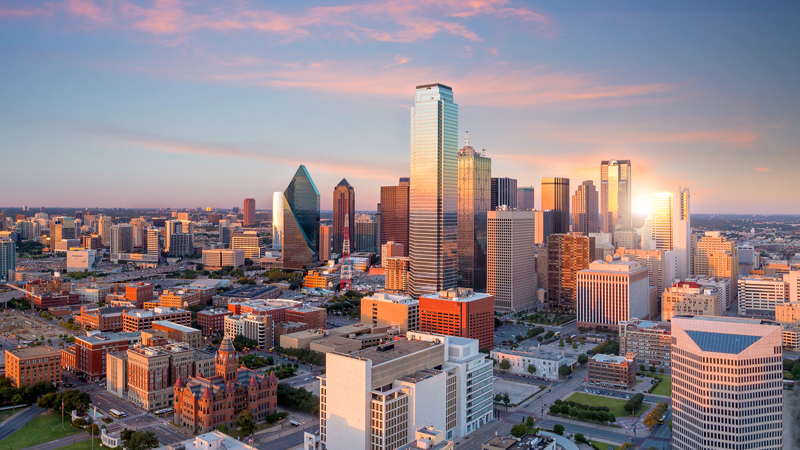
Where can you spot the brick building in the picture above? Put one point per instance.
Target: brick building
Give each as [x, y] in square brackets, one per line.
[33, 364]
[55, 300]
[153, 370]
[247, 292]
[180, 333]
[88, 355]
[212, 320]
[459, 312]
[613, 371]
[101, 319]
[274, 308]
[138, 293]
[142, 319]
[202, 404]
[321, 279]
[313, 316]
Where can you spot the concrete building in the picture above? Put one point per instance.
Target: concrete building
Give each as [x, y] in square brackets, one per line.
[585, 213]
[152, 242]
[377, 398]
[253, 327]
[177, 298]
[387, 309]
[142, 319]
[526, 198]
[324, 243]
[180, 333]
[92, 293]
[82, 260]
[219, 258]
[29, 365]
[650, 341]
[627, 238]
[8, 255]
[429, 438]
[365, 234]
[214, 440]
[760, 295]
[249, 242]
[716, 256]
[510, 266]
[613, 371]
[459, 312]
[322, 279]
[391, 249]
[474, 200]
[121, 238]
[662, 266]
[315, 317]
[545, 361]
[686, 298]
[613, 291]
[397, 269]
[567, 254]
[727, 390]
[394, 214]
[212, 321]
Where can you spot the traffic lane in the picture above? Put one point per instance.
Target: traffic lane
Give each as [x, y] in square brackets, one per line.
[588, 430]
[289, 441]
[11, 425]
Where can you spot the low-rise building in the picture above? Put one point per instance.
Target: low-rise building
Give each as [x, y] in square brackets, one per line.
[428, 438]
[650, 342]
[214, 440]
[313, 316]
[107, 319]
[791, 337]
[212, 320]
[89, 354]
[92, 293]
[545, 361]
[760, 295]
[247, 293]
[322, 279]
[391, 309]
[275, 308]
[29, 365]
[179, 298]
[138, 293]
[180, 333]
[613, 371]
[142, 319]
[687, 298]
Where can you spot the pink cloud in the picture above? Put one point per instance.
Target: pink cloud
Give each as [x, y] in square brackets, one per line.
[33, 12]
[618, 137]
[762, 169]
[87, 9]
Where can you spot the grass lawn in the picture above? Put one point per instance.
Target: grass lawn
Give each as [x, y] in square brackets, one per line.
[41, 429]
[85, 445]
[616, 405]
[239, 435]
[601, 445]
[6, 413]
[664, 387]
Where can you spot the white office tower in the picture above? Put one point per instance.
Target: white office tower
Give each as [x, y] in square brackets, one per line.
[510, 267]
[376, 398]
[682, 232]
[277, 220]
[647, 236]
[727, 387]
[614, 291]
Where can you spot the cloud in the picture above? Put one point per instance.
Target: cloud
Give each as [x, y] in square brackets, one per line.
[32, 12]
[398, 61]
[619, 137]
[762, 169]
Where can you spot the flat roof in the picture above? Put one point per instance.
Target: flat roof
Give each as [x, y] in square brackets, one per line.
[457, 295]
[158, 311]
[176, 326]
[110, 337]
[609, 359]
[32, 352]
[399, 348]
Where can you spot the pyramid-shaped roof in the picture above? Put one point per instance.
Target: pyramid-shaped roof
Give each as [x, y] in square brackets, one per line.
[227, 345]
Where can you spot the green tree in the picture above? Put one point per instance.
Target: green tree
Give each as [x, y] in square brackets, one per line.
[564, 370]
[506, 399]
[138, 440]
[531, 369]
[661, 370]
[627, 446]
[641, 367]
[539, 338]
[519, 430]
[530, 422]
[498, 398]
[558, 429]
[561, 343]
[246, 422]
[505, 364]
[568, 340]
[16, 400]
[530, 332]
[579, 437]
[652, 369]
[574, 345]
[93, 429]
[223, 428]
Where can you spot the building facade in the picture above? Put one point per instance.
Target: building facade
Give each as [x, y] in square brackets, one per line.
[397, 269]
[613, 371]
[142, 319]
[526, 198]
[585, 214]
[760, 295]
[395, 213]
[344, 206]
[180, 333]
[474, 200]
[511, 266]
[503, 193]
[611, 292]
[300, 243]
[277, 220]
[459, 312]
[249, 212]
[555, 197]
[387, 309]
[30, 365]
[567, 254]
[212, 321]
[689, 298]
[650, 341]
[615, 195]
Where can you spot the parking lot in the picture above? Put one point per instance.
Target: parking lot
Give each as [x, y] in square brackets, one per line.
[517, 392]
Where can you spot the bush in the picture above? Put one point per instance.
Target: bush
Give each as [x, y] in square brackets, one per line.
[652, 369]
[579, 437]
[583, 359]
[558, 429]
[299, 399]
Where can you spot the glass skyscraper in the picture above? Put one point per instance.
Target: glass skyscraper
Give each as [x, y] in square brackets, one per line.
[584, 209]
[433, 202]
[615, 194]
[474, 192]
[300, 222]
[344, 205]
[555, 197]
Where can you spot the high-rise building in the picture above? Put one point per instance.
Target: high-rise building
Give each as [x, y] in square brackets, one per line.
[394, 214]
[365, 234]
[249, 242]
[716, 256]
[152, 241]
[584, 209]
[682, 232]
[511, 267]
[661, 222]
[391, 249]
[277, 220]
[662, 266]
[139, 224]
[179, 237]
[566, 255]
[394, 310]
[627, 237]
[433, 193]
[614, 291]
[397, 268]
[687, 298]
[544, 226]
[324, 242]
[344, 206]
[650, 341]
[249, 212]
[121, 238]
[219, 258]
[459, 312]
[615, 195]
[8, 255]
[474, 192]
[760, 294]
[377, 398]
[301, 222]
[727, 388]
[526, 198]
[555, 197]
[504, 193]
[104, 229]
[670, 227]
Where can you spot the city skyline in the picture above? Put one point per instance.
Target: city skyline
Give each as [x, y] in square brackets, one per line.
[186, 85]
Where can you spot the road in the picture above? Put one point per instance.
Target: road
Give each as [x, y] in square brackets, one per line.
[289, 441]
[15, 423]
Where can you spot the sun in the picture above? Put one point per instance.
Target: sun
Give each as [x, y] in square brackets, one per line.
[642, 204]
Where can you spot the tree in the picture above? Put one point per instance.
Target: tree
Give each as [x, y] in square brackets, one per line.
[652, 419]
[568, 340]
[80, 422]
[498, 398]
[506, 399]
[138, 440]
[530, 332]
[531, 369]
[519, 430]
[93, 429]
[246, 422]
[561, 343]
[539, 338]
[564, 370]
[16, 401]
[652, 369]
[661, 370]
[574, 345]
[579, 437]
[558, 429]
[641, 367]
[627, 446]
[223, 428]
[530, 421]
[505, 364]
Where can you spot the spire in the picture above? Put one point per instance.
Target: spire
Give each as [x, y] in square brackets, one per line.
[466, 140]
[229, 388]
[272, 378]
[253, 382]
[226, 345]
[207, 393]
[179, 382]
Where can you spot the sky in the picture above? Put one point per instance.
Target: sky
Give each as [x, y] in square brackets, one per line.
[177, 103]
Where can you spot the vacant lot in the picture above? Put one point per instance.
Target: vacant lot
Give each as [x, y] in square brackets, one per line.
[616, 405]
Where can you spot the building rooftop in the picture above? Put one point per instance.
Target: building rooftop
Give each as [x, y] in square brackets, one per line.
[392, 298]
[32, 352]
[249, 291]
[420, 375]
[305, 308]
[209, 283]
[392, 350]
[213, 311]
[157, 311]
[110, 337]
[335, 341]
[176, 326]
[457, 295]
[214, 440]
[265, 304]
[609, 359]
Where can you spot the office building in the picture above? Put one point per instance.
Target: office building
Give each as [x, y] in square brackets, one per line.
[748, 258]
[275, 308]
[322, 279]
[139, 293]
[364, 234]
[683, 232]
[567, 254]
[260, 329]
[397, 269]
[100, 319]
[670, 227]
[792, 280]
[82, 260]
[324, 243]
[152, 241]
[212, 321]
[142, 319]
[378, 397]
[727, 390]
[344, 206]
[545, 361]
[179, 237]
[104, 230]
[716, 256]
[511, 265]
[89, 353]
[662, 266]
[217, 259]
[613, 291]
[503, 193]
[627, 238]
[459, 312]
[650, 341]
[544, 226]
[277, 220]
[387, 309]
[8, 256]
[526, 198]
[203, 403]
[250, 242]
[394, 214]
[474, 200]
[687, 298]
[249, 217]
[392, 249]
[760, 295]
[555, 197]
[30, 365]
[585, 215]
[152, 369]
[615, 195]
[378, 241]
[180, 333]
[616, 372]
[121, 238]
[433, 193]
[301, 222]
[313, 316]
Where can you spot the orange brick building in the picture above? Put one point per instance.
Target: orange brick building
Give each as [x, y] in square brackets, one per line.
[313, 316]
[212, 320]
[101, 319]
[33, 364]
[459, 312]
[202, 404]
[179, 299]
[142, 319]
[139, 293]
[88, 355]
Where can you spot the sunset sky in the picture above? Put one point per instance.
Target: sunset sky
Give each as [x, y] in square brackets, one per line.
[203, 103]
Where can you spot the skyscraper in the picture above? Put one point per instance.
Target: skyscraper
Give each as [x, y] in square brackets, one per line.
[249, 212]
[504, 192]
[544, 226]
[301, 222]
[277, 220]
[566, 255]
[683, 232]
[511, 265]
[365, 234]
[344, 205]
[526, 198]
[661, 221]
[727, 391]
[433, 199]
[670, 227]
[555, 197]
[394, 214]
[615, 194]
[121, 238]
[324, 242]
[584, 209]
[8, 255]
[474, 190]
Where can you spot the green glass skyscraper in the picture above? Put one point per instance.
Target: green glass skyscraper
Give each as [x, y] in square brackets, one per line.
[301, 222]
